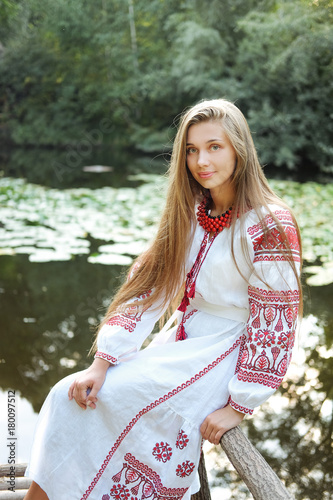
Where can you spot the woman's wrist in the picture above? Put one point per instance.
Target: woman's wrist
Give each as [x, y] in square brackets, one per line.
[235, 412]
[100, 364]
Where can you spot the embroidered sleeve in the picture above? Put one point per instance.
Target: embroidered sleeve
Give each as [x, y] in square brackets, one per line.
[124, 333]
[273, 302]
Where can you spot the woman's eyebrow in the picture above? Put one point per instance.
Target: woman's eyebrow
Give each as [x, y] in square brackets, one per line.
[207, 142]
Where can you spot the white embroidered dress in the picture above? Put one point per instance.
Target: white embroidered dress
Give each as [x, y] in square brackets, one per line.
[232, 345]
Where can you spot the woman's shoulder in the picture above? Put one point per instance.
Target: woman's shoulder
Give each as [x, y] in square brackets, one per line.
[273, 230]
[274, 218]
[269, 215]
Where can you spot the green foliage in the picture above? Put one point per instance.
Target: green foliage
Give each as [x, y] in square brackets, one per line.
[287, 56]
[67, 65]
[8, 11]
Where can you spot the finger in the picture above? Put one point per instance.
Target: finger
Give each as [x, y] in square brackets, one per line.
[208, 434]
[81, 405]
[210, 438]
[91, 404]
[92, 395]
[203, 429]
[80, 396]
[92, 392]
[91, 401]
[81, 392]
[218, 436]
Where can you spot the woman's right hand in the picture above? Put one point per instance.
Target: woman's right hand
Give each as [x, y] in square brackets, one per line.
[85, 387]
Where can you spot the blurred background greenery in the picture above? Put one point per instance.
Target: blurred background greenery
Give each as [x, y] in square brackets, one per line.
[89, 92]
[66, 66]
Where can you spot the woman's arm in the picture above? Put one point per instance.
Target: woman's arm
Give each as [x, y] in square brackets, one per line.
[119, 338]
[273, 296]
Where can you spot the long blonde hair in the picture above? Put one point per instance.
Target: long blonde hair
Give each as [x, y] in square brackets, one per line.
[162, 267]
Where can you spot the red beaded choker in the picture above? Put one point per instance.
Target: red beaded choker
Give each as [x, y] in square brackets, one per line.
[210, 223]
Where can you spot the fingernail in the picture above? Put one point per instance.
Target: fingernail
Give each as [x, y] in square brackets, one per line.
[89, 403]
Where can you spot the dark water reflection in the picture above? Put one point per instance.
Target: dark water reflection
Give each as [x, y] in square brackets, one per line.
[48, 314]
[63, 169]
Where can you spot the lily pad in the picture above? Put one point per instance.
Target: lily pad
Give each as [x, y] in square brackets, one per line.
[322, 275]
[47, 255]
[130, 248]
[62, 223]
[110, 259]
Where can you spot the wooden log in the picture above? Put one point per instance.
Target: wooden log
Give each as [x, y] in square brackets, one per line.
[21, 483]
[6, 470]
[253, 469]
[204, 493]
[10, 495]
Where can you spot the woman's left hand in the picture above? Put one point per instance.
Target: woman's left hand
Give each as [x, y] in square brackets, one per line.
[219, 422]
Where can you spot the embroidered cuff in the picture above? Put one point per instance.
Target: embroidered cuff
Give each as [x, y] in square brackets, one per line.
[242, 409]
[107, 357]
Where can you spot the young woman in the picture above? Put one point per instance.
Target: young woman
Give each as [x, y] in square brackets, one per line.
[236, 246]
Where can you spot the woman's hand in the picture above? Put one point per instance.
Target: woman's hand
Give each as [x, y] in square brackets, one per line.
[85, 387]
[219, 422]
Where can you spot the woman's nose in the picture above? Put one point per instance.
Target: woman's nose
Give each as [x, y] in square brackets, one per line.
[203, 159]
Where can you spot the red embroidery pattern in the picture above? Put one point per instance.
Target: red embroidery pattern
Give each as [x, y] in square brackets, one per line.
[121, 320]
[162, 452]
[237, 407]
[273, 305]
[131, 316]
[271, 331]
[138, 477]
[119, 493]
[100, 354]
[282, 215]
[189, 292]
[191, 277]
[240, 355]
[185, 469]
[181, 333]
[182, 440]
[274, 245]
[153, 405]
[259, 378]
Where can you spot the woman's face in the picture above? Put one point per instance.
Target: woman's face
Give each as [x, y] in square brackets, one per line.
[210, 157]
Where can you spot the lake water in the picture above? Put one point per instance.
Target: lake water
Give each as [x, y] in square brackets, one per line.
[63, 252]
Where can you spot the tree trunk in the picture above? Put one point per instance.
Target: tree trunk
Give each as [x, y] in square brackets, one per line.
[204, 493]
[133, 35]
[261, 480]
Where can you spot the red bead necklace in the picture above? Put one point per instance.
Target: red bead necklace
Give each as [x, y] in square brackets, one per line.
[210, 223]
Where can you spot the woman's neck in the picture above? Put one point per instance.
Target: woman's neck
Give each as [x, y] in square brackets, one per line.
[222, 202]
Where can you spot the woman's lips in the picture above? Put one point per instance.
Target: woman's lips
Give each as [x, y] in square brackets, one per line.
[205, 175]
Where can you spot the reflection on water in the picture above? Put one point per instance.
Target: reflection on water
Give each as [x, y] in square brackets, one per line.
[63, 169]
[48, 315]
[26, 420]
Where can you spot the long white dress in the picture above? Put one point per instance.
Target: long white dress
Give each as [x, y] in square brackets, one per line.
[232, 344]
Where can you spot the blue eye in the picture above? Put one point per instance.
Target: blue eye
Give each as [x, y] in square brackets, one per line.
[215, 147]
[191, 150]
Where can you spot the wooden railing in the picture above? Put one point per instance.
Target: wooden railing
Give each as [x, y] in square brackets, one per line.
[253, 469]
[260, 479]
